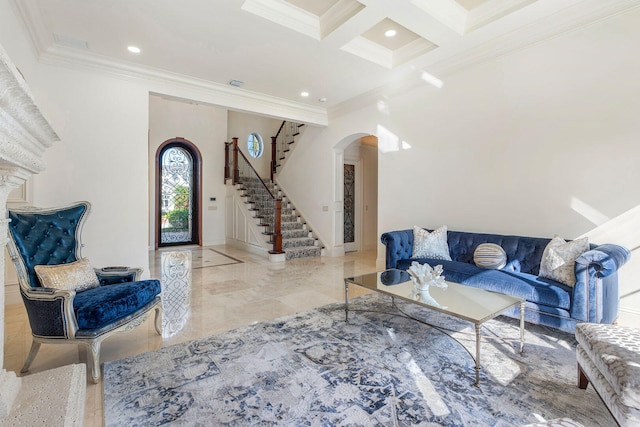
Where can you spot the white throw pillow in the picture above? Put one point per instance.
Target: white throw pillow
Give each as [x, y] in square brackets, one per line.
[559, 259]
[430, 245]
[74, 276]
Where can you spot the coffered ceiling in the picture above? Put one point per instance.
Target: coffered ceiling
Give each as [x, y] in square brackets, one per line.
[335, 50]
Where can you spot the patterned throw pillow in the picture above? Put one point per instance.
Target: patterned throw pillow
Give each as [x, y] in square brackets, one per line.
[74, 276]
[559, 259]
[430, 245]
[490, 255]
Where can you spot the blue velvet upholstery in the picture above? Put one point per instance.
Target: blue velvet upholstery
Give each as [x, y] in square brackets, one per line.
[594, 298]
[46, 239]
[52, 237]
[98, 307]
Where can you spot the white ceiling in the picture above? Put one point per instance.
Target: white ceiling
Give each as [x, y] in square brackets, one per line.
[280, 48]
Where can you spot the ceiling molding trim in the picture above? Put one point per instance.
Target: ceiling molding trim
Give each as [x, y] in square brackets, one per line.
[492, 10]
[285, 14]
[447, 12]
[338, 14]
[564, 21]
[194, 88]
[40, 35]
[412, 50]
[366, 49]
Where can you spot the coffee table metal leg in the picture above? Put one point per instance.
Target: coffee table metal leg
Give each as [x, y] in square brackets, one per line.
[477, 354]
[522, 327]
[346, 301]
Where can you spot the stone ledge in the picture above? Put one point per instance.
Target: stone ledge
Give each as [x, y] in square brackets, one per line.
[50, 398]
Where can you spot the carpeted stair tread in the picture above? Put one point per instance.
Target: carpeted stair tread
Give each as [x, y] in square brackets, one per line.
[297, 240]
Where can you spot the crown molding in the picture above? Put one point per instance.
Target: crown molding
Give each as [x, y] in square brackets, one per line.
[490, 11]
[48, 52]
[366, 49]
[193, 88]
[41, 37]
[338, 14]
[447, 12]
[285, 14]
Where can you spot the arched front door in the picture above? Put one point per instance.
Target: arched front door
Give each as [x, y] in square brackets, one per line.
[178, 200]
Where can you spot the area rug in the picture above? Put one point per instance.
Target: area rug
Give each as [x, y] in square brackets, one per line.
[380, 369]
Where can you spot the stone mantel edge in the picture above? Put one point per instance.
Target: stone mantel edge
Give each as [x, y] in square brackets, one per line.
[24, 136]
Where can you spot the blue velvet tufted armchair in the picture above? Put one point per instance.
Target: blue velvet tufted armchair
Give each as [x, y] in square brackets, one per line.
[116, 301]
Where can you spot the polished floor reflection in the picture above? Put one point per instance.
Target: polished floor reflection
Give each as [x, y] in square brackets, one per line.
[206, 291]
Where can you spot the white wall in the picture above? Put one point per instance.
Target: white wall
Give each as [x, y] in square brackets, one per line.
[532, 143]
[240, 125]
[506, 146]
[101, 158]
[206, 127]
[369, 156]
[102, 119]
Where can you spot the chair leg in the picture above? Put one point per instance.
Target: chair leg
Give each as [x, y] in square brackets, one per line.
[35, 346]
[94, 360]
[158, 320]
[583, 381]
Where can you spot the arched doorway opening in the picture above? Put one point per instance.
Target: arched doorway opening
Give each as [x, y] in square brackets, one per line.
[178, 195]
[356, 160]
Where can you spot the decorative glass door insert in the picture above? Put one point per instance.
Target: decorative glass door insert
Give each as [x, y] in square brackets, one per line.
[177, 201]
[349, 204]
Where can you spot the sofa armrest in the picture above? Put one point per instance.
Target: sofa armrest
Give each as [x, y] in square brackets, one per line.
[399, 245]
[113, 275]
[606, 259]
[595, 293]
[50, 312]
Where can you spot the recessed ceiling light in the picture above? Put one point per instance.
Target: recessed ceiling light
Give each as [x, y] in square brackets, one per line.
[236, 83]
[322, 99]
[133, 49]
[390, 33]
[304, 94]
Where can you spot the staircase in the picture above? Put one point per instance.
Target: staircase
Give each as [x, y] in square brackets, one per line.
[282, 144]
[298, 241]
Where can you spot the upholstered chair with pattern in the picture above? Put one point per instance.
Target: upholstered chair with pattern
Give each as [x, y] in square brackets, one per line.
[68, 301]
[609, 359]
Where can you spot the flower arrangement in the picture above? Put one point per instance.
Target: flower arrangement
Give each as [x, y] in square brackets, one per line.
[423, 276]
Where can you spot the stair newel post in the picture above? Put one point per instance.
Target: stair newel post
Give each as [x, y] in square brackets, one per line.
[274, 153]
[236, 171]
[277, 227]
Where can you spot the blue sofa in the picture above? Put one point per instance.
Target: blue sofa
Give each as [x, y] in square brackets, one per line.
[594, 298]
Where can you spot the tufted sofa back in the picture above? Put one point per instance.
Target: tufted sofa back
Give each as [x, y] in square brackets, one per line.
[526, 250]
[46, 236]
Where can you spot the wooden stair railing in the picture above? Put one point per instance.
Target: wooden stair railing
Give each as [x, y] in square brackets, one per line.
[281, 142]
[239, 170]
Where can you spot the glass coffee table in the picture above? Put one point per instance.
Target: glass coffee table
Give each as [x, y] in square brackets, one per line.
[463, 302]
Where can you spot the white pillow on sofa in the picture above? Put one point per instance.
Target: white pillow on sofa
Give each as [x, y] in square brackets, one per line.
[559, 259]
[430, 245]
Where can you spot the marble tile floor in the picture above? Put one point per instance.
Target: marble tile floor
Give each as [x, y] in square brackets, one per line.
[209, 292]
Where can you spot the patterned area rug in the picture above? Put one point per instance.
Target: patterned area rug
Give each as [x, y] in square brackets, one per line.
[380, 369]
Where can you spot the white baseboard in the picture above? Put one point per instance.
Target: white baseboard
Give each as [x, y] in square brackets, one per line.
[247, 247]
